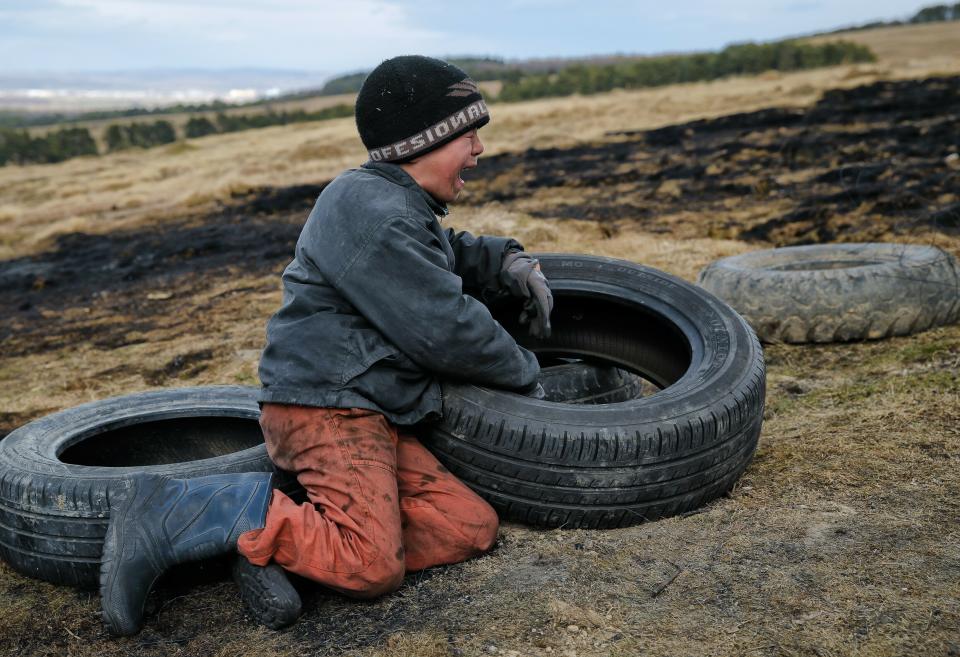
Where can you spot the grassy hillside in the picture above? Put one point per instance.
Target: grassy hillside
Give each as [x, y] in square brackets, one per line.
[135, 187]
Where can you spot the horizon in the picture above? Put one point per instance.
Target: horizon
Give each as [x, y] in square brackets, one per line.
[157, 75]
[48, 37]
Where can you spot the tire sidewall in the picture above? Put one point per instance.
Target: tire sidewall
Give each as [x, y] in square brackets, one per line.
[724, 351]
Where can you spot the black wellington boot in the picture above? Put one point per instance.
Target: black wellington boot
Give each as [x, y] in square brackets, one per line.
[163, 522]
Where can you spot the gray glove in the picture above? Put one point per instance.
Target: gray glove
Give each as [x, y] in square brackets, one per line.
[519, 274]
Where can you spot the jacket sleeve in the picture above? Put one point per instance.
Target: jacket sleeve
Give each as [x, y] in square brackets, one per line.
[398, 279]
[478, 259]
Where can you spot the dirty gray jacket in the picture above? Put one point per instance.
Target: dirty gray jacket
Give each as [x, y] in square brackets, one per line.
[374, 310]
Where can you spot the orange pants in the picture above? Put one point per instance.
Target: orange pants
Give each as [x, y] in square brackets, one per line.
[380, 504]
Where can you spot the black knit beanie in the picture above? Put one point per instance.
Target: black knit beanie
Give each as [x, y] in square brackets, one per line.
[410, 105]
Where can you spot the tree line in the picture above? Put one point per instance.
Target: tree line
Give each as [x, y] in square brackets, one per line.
[19, 147]
[931, 14]
[16, 120]
[200, 126]
[937, 13]
[741, 59]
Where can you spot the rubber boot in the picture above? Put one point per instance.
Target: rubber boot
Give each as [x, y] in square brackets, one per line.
[163, 522]
[268, 594]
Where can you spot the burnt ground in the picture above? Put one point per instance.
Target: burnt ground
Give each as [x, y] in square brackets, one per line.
[83, 269]
[840, 538]
[860, 164]
[118, 289]
[873, 162]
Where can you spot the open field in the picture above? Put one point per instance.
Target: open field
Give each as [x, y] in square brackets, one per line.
[159, 268]
[100, 194]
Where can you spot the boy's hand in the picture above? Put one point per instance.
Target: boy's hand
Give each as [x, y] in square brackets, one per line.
[536, 309]
[521, 275]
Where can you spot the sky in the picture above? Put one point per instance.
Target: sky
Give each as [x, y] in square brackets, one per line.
[351, 35]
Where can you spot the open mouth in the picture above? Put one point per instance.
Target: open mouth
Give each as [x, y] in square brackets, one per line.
[463, 172]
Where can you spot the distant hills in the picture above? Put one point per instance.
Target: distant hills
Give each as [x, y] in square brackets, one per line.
[77, 92]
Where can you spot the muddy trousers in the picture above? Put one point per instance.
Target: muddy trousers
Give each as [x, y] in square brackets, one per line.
[380, 504]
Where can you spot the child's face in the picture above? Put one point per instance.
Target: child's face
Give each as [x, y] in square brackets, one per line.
[438, 171]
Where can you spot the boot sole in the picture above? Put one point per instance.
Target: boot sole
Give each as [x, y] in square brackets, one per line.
[275, 605]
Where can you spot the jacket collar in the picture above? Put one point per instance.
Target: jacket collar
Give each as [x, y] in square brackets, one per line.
[396, 174]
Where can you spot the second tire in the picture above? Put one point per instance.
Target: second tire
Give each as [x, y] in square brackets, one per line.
[839, 292]
[611, 465]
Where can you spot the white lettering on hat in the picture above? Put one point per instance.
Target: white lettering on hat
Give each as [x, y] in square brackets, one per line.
[422, 140]
[457, 119]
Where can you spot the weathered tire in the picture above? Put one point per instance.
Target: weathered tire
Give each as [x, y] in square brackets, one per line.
[839, 292]
[58, 473]
[611, 465]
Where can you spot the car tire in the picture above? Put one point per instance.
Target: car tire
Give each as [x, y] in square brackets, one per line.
[839, 292]
[611, 465]
[58, 474]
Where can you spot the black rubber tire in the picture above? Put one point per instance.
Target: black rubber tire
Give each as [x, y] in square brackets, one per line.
[839, 292]
[59, 473]
[581, 383]
[612, 465]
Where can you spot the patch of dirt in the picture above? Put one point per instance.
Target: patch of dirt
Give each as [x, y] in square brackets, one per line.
[861, 164]
[118, 284]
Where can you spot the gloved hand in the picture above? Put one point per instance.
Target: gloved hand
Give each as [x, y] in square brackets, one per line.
[521, 274]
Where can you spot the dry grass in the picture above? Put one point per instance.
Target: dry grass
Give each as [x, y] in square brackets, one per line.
[840, 539]
[101, 194]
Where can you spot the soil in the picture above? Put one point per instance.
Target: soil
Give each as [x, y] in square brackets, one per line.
[840, 539]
